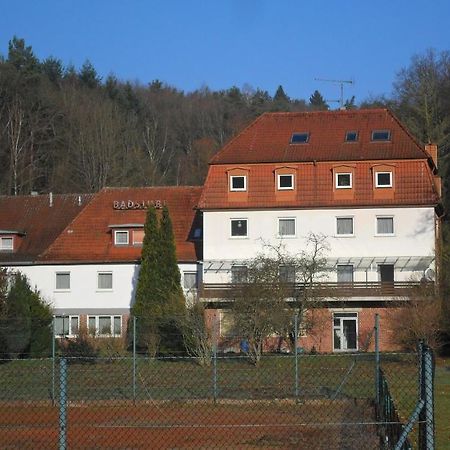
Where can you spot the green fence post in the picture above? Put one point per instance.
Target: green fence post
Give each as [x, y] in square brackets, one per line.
[62, 404]
[377, 359]
[134, 359]
[214, 355]
[428, 397]
[53, 360]
[296, 353]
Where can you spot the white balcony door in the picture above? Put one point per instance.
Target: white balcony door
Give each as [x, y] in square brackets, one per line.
[345, 331]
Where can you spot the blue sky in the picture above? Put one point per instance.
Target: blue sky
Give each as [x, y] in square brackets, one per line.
[263, 43]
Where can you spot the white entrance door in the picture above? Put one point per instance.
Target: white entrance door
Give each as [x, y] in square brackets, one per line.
[345, 331]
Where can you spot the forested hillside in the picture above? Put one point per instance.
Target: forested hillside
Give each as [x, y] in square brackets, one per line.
[64, 129]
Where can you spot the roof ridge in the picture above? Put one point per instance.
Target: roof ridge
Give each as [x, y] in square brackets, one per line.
[333, 111]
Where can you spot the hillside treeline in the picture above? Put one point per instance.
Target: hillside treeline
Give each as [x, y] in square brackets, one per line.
[64, 129]
[67, 130]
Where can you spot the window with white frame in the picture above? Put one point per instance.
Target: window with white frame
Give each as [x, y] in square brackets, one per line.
[239, 274]
[190, 280]
[287, 274]
[104, 280]
[285, 181]
[286, 227]
[238, 183]
[62, 281]
[238, 227]
[66, 326]
[121, 237]
[385, 225]
[344, 226]
[345, 273]
[7, 243]
[344, 180]
[105, 325]
[383, 179]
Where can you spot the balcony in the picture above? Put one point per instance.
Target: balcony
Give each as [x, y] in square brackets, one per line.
[328, 290]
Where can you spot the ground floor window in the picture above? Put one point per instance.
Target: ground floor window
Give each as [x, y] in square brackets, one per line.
[345, 331]
[66, 326]
[105, 325]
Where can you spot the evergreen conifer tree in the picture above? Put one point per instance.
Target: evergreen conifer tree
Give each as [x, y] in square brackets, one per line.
[174, 304]
[317, 102]
[147, 306]
[159, 300]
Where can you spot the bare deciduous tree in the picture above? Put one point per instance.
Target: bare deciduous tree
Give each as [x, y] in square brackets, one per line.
[277, 287]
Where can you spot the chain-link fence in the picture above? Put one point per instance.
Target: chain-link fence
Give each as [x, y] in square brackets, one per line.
[345, 401]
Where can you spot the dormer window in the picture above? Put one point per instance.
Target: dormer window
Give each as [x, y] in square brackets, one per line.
[343, 180]
[381, 135]
[7, 243]
[300, 138]
[351, 136]
[383, 179]
[285, 181]
[238, 183]
[121, 237]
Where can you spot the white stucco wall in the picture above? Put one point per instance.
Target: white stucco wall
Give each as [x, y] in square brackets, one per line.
[83, 295]
[414, 236]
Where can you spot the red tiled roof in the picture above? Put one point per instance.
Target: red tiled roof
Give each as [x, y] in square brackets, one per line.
[88, 238]
[267, 139]
[39, 222]
[314, 186]
[265, 146]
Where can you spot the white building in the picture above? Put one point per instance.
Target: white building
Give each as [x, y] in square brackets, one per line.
[356, 177]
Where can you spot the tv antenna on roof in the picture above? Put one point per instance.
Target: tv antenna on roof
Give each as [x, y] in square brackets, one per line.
[341, 83]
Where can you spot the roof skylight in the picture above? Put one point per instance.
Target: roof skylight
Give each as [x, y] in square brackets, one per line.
[381, 135]
[300, 138]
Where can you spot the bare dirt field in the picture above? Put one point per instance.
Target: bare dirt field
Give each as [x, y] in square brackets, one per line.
[313, 424]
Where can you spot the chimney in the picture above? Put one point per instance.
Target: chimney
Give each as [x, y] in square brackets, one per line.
[50, 199]
[431, 150]
[34, 193]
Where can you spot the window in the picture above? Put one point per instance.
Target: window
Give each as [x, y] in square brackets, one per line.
[343, 180]
[104, 280]
[63, 281]
[286, 227]
[287, 274]
[345, 273]
[138, 237]
[239, 274]
[351, 136]
[344, 226]
[300, 138]
[381, 135]
[197, 233]
[6, 243]
[383, 179]
[285, 182]
[345, 331]
[190, 280]
[121, 237]
[105, 325]
[239, 227]
[238, 183]
[385, 225]
[66, 325]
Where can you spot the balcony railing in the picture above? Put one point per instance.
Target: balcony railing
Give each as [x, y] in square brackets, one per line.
[331, 290]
